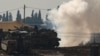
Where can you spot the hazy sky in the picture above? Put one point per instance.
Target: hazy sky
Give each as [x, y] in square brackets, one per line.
[43, 4]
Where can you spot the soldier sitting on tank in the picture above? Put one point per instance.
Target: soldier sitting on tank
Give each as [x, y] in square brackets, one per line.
[34, 32]
[35, 28]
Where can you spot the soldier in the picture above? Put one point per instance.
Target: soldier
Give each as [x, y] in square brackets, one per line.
[35, 28]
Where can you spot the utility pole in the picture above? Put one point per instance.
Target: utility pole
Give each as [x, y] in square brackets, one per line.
[24, 14]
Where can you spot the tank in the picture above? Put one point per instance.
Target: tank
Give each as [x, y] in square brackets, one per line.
[25, 38]
[45, 38]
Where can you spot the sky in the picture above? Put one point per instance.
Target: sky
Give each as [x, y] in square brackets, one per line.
[15, 4]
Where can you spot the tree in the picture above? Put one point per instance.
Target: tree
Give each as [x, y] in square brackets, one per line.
[4, 17]
[35, 18]
[10, 16]
[18, 18]
[58, 7]
[0, 17]
[48, 22]
[39, 18]
[39, 15]
[32, 15]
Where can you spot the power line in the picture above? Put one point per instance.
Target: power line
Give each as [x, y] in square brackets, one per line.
[11, 9]
[37, 8]
[22, 7]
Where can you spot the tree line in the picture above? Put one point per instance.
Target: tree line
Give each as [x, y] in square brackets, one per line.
[6, 17]
[34, 18]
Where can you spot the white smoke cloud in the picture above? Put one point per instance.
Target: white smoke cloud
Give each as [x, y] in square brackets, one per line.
[93, 15]
[74, 20]
[69, 22]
